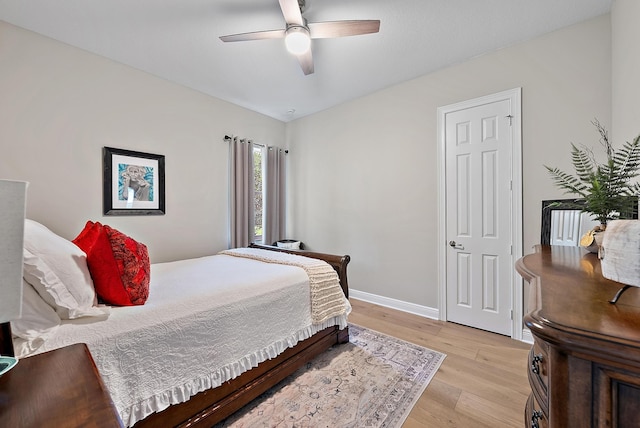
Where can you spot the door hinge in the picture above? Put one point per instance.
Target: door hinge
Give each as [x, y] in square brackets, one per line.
[511, 314]
[510, 117]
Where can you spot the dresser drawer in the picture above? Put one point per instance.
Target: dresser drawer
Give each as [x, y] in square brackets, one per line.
[539, 372]
[534, 417]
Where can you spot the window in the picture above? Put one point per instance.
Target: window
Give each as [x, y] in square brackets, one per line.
[258, 176]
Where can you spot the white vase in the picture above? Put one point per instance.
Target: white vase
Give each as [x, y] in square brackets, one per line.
[620, 256]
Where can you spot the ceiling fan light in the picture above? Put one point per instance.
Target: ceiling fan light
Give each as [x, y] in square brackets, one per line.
[297, 40]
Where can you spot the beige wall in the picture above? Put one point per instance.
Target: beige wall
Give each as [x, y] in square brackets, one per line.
[364, 173]
[59, 106]
[625, 70]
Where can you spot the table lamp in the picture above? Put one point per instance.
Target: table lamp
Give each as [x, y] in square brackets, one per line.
[12, 213]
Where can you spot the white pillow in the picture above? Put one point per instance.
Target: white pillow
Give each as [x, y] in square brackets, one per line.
[288, 245]
[52, 290]
[64, 258]
[38, 319]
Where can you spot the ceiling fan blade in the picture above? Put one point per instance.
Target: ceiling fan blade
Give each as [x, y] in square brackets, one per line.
[324, 30]
[256, 35]
[306, 62]
[291, 12]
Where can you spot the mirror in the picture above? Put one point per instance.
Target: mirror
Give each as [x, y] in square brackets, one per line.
[563, 224]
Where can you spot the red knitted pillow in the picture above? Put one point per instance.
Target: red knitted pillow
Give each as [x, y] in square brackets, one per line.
[94, 241]
[132, 258]
[118, 265]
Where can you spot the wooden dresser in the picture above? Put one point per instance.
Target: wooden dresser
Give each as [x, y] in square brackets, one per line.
[584, 366]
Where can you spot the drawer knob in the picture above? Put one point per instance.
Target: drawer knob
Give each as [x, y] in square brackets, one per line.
[535, 363]
[535, 417]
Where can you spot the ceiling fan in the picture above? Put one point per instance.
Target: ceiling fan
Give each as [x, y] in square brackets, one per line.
[298, 32]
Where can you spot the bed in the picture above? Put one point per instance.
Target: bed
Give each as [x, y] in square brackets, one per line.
[214, 333]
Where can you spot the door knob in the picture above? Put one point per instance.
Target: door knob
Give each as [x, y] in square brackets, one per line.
[455, 245]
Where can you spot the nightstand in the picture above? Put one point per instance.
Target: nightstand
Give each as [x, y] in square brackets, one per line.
[59, 388]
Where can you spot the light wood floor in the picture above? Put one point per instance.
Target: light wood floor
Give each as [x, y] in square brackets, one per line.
[482, 381]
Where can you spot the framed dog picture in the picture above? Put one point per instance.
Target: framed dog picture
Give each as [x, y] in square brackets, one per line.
[133, 183]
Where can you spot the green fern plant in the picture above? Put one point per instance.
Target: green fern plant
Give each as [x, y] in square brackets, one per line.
[606, 188]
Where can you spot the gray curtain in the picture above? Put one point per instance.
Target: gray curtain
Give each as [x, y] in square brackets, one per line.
[275, 194]
[242, 193]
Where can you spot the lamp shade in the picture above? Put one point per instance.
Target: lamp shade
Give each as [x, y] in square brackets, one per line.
[12, 213]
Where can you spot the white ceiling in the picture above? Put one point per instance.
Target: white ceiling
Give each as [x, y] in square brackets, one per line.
[178, 40]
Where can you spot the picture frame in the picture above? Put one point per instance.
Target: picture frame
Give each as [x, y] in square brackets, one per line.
[133, 182]
[572, 204]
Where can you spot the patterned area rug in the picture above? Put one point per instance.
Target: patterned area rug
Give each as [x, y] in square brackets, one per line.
[373, 381]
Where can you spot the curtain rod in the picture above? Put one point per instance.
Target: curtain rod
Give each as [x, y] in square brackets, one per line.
[228, 138]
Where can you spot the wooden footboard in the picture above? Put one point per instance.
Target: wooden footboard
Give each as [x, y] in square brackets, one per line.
[339, 263]
[212, 406]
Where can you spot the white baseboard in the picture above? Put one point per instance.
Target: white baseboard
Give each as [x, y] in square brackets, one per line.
[527, 336]
[400, 305]
[412, 308]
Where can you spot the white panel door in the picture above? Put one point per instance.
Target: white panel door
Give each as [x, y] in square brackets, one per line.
[479, 263]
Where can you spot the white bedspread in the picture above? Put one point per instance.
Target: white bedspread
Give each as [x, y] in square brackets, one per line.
[206, 321]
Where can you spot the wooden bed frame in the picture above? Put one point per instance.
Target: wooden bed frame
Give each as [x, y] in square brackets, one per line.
[214, 405]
